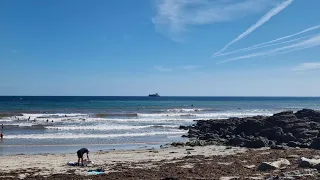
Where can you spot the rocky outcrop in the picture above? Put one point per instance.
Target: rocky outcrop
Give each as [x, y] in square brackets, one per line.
[265, 166]
[300, 129]
[308, 163]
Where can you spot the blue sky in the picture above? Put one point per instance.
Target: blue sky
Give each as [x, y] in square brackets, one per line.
[173, 47]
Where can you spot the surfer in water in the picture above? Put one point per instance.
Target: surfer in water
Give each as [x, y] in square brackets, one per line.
[80, 154]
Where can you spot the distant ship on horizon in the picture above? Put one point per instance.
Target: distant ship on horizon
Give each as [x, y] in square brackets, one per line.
[154, 95]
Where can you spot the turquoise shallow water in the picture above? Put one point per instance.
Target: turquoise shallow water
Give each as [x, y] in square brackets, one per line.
[54, 124]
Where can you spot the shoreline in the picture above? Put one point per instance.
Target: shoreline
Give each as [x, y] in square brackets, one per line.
[36, 149]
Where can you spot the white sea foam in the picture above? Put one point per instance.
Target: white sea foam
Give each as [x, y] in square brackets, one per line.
[97, 127]
[85, 122]
[165, 115]
[41, 118]
[88, 136]
[181, 110]
[24, 124]
[234, 114]
[5, 120]
[151, 120]
[215, 115]
[105, 127]
[35, 116]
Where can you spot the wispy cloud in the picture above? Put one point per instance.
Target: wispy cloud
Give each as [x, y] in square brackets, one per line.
[307, 67]
[161, 68]
[174, 16]
[190, 67]
[259, 23]
[304, 44]
[178, 68]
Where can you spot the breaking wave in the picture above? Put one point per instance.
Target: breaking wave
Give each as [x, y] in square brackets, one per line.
[77, 136]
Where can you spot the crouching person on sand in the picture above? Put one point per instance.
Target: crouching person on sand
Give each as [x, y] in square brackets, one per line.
[80, 154]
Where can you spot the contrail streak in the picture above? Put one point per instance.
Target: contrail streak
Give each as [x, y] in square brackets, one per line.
[266, 45]
[289, 36]
[305, 44]
[259, 23]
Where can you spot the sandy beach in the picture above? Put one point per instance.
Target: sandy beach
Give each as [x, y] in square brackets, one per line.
[48, 164]
[202, 162]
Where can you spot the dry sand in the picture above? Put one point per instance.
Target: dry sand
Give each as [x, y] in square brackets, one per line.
[48, 164]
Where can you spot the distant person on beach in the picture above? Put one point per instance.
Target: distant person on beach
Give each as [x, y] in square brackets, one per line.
[80, 154]
[1, 136]
[29, 118]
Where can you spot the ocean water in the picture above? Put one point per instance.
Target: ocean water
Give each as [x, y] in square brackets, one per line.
[64, 124]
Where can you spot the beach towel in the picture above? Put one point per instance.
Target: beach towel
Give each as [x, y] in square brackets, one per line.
[96, 171]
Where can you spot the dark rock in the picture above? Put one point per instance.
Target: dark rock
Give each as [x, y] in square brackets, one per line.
[184, 127]
[274, 133]
[315, 144]
[308, 163]
[237, 141]
[249, 127]
[308, 114]
[286, 137]
[294, 129]
[193, 131]
[281, 119]
[279, 147]
[242, 134]
[176, 144]
[284, 113]
[305, 133]
[265, 166]
[250, 143]
[257, 143]
[272, 143]
[210, 136]
[297, 144]
[169, 178]
[196, 142]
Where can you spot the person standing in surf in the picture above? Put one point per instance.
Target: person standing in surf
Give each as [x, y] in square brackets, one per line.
[80, 154]
[1, 134]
